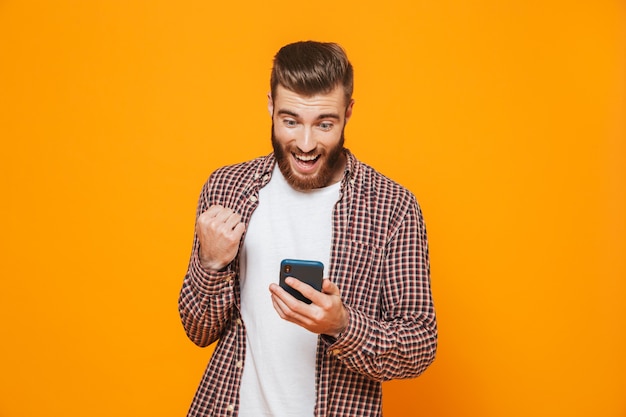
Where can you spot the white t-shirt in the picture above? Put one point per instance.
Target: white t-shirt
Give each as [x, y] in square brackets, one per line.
[279, 373]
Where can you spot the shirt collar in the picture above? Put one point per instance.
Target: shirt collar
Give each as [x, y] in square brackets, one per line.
[351, 170]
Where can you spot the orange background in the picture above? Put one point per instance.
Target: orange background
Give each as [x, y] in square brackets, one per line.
[506, 119]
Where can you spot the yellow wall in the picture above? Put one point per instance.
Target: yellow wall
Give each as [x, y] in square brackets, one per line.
[506, 118]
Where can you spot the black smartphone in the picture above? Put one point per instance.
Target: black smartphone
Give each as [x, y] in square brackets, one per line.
[309, 272]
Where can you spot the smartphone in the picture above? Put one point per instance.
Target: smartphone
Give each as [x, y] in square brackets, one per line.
[309, 272]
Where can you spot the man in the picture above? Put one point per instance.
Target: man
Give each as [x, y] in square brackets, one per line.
[374, 319]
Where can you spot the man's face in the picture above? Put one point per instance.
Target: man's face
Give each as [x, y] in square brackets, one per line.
[307, 136]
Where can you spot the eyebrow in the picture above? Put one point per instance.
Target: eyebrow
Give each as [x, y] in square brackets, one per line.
[320, 117]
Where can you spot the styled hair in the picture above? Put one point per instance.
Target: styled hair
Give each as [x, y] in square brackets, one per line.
[310, 68]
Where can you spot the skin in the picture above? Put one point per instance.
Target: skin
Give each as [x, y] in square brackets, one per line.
[219, 231]
[308, 130]
[307, 136]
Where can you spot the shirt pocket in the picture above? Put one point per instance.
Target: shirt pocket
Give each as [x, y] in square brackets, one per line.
[358, 275]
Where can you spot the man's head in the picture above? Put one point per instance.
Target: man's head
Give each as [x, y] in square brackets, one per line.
[310, 68]
[310, 102]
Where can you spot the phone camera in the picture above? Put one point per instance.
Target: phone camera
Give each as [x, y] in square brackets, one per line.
[287, 268]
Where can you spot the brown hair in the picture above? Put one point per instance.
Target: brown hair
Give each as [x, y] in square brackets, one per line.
[310, 68]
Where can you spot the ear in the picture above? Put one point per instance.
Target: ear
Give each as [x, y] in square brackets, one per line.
[270, 104]
[349, 110]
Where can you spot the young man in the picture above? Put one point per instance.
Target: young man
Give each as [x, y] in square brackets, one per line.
[374, 319]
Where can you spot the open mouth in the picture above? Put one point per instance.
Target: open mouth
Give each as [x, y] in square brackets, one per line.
[306, 162]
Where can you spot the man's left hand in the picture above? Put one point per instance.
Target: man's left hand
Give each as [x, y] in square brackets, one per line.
[325, 315]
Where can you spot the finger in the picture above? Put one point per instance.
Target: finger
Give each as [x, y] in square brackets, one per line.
[222, 215]
[282, 308]
[278, 306]
[232, 221]
[213, 210]
[329, 287]
[238, 230]
[207, 219]
[286, 305]
[304, 288]
[290, 304]
[281, 295]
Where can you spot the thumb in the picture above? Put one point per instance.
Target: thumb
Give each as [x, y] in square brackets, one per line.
[329, 287]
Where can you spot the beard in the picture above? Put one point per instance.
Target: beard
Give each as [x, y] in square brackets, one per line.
[324, 175]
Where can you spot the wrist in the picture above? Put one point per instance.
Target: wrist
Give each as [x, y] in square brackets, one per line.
[344, 325]
[211, 266]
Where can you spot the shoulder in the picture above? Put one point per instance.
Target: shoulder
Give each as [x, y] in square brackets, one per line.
[240, 174]
[228, 184]
[385, 201]
[237, 171]
[377, 185]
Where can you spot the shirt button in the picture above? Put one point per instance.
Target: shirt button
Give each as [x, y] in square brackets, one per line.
[256, 176]
[228, 278]
[230, 407]
[239, 322]
[266, 177]
[253, 198]
[336, 352]
[239, 364]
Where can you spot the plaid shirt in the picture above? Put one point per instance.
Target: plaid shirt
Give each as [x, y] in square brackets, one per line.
[380, 262]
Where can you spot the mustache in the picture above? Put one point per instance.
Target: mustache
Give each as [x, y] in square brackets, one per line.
[314, 154]
[325, 173]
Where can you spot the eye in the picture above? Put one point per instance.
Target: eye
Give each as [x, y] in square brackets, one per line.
[326, 125]
[289, 122]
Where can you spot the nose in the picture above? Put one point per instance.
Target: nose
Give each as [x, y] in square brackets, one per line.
[306, 141]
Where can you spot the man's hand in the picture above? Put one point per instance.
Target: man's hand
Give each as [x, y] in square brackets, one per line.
[219, 231]
[325, 315]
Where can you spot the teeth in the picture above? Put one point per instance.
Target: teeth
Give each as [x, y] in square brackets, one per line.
[306, 158]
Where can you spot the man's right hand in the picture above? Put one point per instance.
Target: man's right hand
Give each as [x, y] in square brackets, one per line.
[219, 231]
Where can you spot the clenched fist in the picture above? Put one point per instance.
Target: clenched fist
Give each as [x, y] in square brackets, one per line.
[219, 231]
